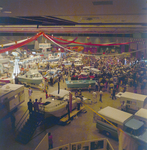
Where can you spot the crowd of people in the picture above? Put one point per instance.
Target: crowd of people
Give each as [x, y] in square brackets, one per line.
[117, 76]
[114, 76]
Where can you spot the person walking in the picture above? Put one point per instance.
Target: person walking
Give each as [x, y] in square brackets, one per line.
[50, 140]
[101, 94]
[30, 105]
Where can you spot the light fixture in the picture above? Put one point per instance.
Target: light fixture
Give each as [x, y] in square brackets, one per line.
[7, 12]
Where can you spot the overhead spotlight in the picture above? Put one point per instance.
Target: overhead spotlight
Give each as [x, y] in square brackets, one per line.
[37, 26]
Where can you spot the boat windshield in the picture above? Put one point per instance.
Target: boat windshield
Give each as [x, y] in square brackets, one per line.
[51, 73]
[35, 75]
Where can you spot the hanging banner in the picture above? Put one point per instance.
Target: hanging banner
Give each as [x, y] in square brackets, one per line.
[90, 44]
[21, 44]
[62, 42]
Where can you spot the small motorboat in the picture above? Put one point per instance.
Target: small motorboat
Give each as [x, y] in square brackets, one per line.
[31, 77]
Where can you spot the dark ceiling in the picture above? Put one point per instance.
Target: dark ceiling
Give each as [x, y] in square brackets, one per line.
[74, 16]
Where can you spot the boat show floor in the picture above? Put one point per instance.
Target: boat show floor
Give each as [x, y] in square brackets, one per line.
[81, 128]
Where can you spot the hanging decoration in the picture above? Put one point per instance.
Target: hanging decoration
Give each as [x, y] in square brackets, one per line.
[90, 44]
[76, 48]
[48, 37]
[13, 43]
[21, 44]
[36, 45]
[64, 43]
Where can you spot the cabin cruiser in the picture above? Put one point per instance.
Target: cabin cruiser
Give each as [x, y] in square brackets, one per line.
[31, 77]
[57, 102]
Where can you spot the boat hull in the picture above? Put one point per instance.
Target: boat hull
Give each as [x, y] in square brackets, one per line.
[30, 80]
[80, 84]
[59, 110]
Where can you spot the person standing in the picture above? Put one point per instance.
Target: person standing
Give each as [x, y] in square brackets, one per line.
[96, 86]
[63, 77]
[111, 91]
[46, 94]
[76, 93]
[50, 140]
[30, 92]
[101, 94]
[30, 105]
[51, 80]
[113, 94]
[16, 79]
[36, 106]
[12, 117]
[78, 103]
[89, 88]
[94, 97]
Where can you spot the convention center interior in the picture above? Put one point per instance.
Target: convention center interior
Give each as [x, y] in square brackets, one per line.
[73, 74]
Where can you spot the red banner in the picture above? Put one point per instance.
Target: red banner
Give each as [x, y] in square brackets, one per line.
[90, 44]
[70, 102]
[21, 44]
[62, 42]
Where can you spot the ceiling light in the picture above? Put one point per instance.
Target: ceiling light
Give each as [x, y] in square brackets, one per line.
[7, 12]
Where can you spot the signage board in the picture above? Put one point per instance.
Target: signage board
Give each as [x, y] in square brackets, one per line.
[44, 45]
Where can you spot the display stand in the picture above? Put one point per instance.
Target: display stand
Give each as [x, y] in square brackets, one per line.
[65, 120]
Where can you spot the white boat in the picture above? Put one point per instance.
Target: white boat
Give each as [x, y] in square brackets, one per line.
[54, 57]
[54, 64]
[67, 63]
[52, 73]
[31, 77]
[78, 64]
[56, 104]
